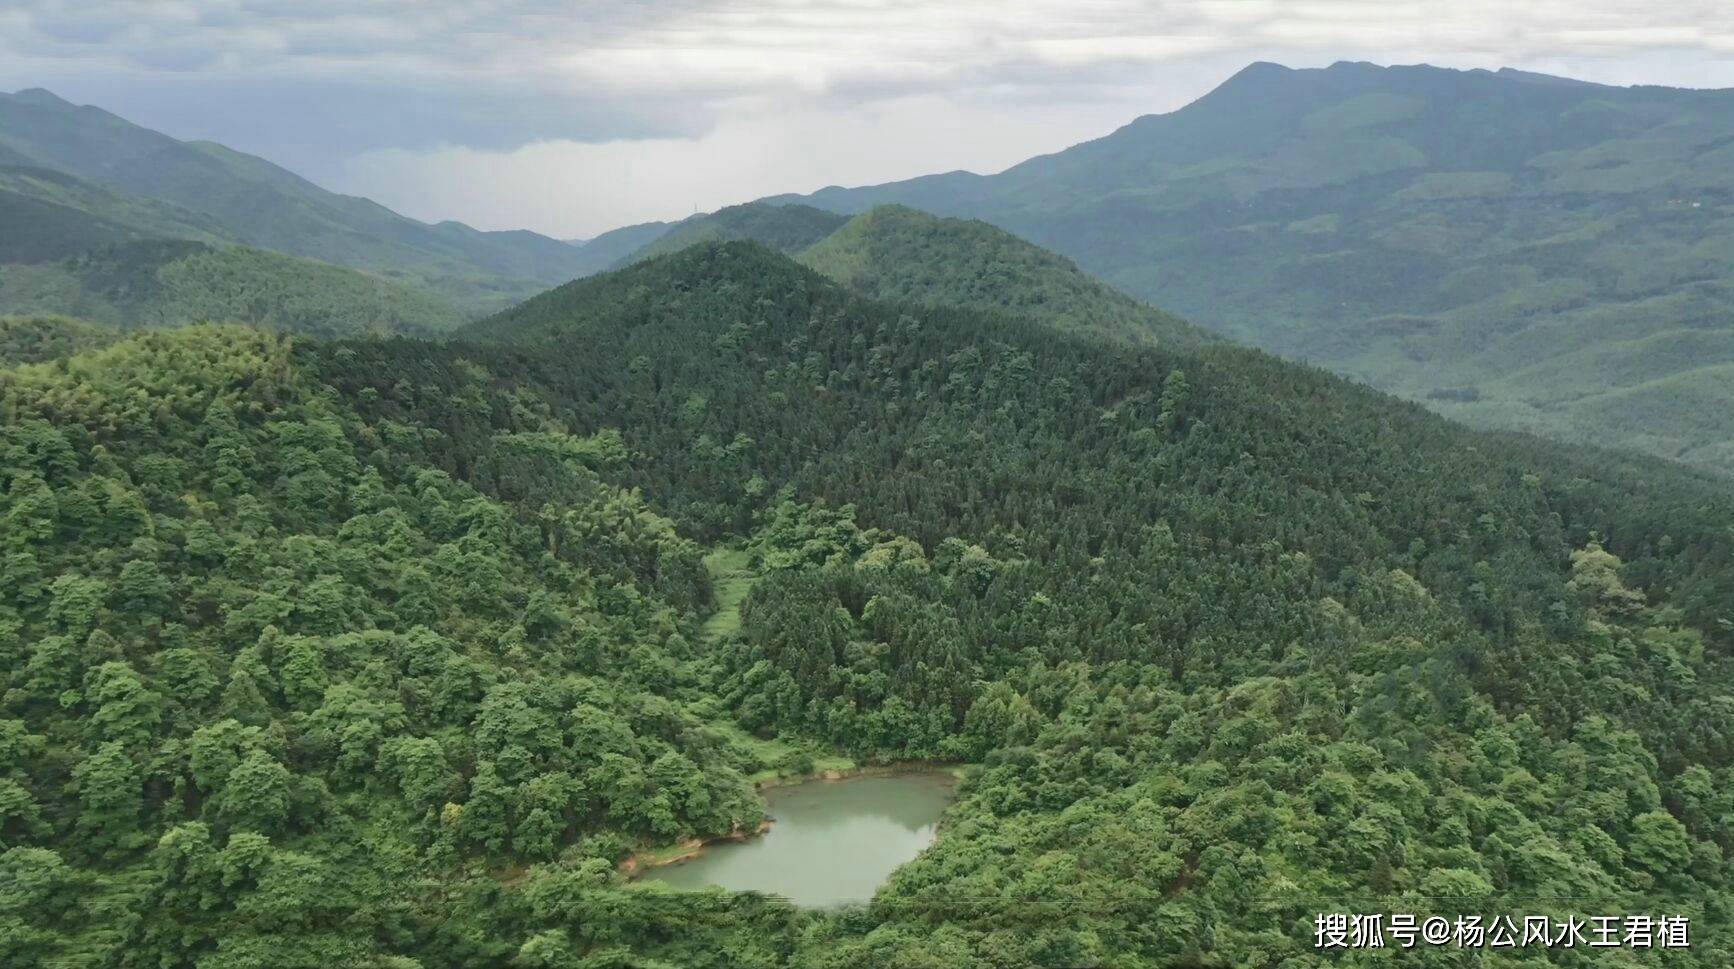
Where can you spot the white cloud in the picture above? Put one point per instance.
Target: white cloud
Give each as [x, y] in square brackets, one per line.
[720, 50]
[570, 188]
[572, 115]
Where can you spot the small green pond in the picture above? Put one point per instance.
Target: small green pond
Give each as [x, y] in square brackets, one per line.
[832, 843]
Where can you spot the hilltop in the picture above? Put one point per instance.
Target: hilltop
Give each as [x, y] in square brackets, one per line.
[895, 253]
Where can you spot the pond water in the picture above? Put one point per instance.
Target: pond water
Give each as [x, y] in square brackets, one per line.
[833, 842]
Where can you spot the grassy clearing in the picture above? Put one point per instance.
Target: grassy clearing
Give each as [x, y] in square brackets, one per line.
[775, 758]
[730, 571]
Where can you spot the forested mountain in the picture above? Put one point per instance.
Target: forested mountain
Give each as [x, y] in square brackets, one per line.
[47, 215]
[607, 250]
[1231, 635]
[899, 254]
[896, 253]
[71, 246]
[255, 202]
[1512, 249]
[383, 652]
[169, 283]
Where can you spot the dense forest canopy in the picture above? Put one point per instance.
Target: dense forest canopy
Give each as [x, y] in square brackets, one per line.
[385, 652]
[34, 339]
[1209, 519]
[280, 693]
[166, 282]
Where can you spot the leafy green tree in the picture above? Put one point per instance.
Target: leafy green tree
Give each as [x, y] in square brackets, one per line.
[255, 794]
[123, 708]
[110, 795]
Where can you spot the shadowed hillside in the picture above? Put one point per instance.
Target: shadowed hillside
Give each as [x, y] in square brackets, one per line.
[47, 215]
[34, 339]
[170, 283]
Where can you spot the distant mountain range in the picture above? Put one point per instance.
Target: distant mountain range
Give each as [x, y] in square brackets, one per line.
[121, 225]
[73, 178]
[1512, 249]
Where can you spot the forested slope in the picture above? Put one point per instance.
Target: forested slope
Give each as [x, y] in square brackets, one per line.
[34, 339]
[71, 247]
[167, 282]
[603, 252]
[47, 215]
[384, 652]
[1233, 636]
[278, 692]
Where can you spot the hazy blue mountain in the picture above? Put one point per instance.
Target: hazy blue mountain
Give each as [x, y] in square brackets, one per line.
[13, 158]
[256, 202]
[786, 228]
[608, 249]
[47, 215]
[1514, 249]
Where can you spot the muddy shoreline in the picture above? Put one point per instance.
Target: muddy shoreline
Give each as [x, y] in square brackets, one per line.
[641, 861]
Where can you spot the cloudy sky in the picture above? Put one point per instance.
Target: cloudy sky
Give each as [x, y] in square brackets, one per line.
[574, 116]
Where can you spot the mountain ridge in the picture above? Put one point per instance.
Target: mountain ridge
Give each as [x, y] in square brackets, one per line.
[898, 254]
[1420, 228]
[266, 206]
[894, 253]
